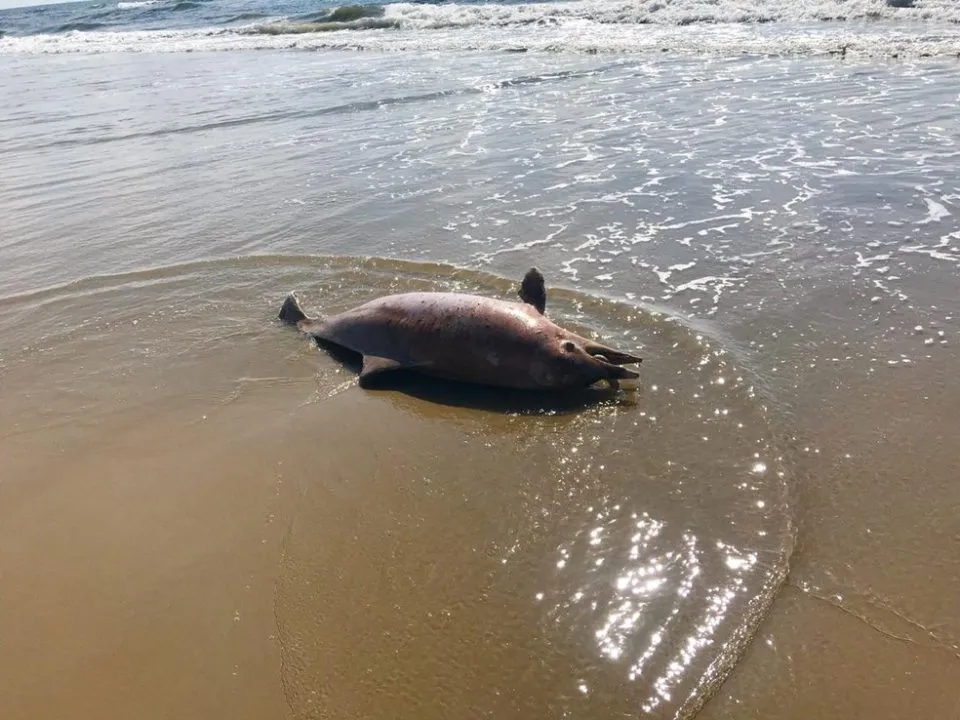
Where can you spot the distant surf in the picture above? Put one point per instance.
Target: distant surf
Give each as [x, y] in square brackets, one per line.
[892, 28]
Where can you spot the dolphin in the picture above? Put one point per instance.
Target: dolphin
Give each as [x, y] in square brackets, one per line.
[467, 338]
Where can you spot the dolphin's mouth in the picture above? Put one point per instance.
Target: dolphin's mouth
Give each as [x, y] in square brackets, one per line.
[608, 354]
[614, 370]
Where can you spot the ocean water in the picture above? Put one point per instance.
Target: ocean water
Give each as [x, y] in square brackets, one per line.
[201, 514]
[901, 28]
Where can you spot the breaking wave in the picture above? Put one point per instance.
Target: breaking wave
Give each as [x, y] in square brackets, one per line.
[664, 12]
[349, 17]
[78, 27]
[898, 28]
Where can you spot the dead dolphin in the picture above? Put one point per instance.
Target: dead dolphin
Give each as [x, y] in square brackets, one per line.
[468, 338]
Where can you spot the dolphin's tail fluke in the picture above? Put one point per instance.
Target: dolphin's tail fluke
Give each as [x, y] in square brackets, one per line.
[290, 313]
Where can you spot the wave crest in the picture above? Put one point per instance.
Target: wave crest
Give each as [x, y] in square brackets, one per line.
[664, 12]
[347, 17]
[717, 27]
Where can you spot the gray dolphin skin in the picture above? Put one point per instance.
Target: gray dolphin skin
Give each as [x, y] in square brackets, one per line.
[468, 338]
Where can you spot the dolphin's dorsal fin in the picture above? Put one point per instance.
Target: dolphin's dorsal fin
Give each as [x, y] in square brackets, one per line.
[533, 290]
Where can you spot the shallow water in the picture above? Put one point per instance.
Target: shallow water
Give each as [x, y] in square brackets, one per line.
[203, 514]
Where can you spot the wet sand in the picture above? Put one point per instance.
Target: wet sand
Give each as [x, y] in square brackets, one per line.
[866, 625]
[224, 501]
[202, 515]
[141, 524]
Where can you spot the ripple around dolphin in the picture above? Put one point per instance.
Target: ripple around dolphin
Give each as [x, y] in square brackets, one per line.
[644, 540]
[610, 558]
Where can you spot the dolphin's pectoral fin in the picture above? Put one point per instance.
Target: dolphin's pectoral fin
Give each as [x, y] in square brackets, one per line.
[374, 366]
[533, 290]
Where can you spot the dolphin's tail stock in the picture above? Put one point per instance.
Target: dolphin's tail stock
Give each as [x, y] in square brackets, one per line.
[290, 312]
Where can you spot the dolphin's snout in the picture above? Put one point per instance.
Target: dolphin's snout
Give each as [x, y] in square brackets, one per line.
[615, 372]
[615, 357]
[621, 373]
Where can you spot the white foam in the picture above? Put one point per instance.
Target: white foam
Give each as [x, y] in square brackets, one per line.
[726, 27]
[134, 5]
[667, 12]
[932, 253]
[935, 212]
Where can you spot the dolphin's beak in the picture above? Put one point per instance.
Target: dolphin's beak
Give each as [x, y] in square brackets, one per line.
[612, 356]
[607, 353]
[613, 370]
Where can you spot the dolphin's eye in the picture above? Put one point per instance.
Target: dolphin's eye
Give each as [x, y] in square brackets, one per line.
[568, 346]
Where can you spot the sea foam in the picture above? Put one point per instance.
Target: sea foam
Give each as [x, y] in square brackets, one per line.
[931, 28]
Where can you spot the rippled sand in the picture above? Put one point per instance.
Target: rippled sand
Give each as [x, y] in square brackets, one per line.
[201, 514]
